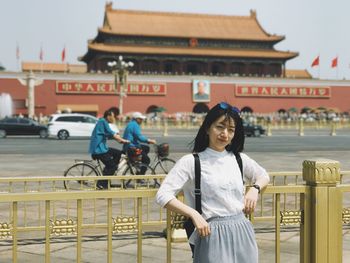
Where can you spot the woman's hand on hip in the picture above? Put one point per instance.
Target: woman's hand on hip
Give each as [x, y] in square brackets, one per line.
[201, 224]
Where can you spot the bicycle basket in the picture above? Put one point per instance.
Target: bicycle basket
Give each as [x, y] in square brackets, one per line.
[135, 154]
[163, 149]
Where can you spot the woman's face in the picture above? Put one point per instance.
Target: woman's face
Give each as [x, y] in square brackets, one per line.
[221, 133]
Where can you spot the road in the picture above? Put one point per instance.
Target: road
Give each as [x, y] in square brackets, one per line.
[284, 151]
[283, 141]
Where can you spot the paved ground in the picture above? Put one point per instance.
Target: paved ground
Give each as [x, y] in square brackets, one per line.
[154, 250]
[154, 245]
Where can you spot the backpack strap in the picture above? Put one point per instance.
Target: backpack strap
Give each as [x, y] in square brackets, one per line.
[197, 187]
[240, 164]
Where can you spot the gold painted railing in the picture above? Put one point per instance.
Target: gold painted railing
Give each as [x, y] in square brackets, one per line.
[313, 207]
[76, 225]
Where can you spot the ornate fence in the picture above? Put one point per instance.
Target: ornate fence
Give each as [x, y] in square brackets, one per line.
[41, 207]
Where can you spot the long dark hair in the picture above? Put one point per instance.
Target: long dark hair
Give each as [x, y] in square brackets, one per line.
[201, 142]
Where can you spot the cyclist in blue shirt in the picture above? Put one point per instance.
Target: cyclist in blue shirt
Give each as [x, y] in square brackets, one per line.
[133, 134]
[98, 146]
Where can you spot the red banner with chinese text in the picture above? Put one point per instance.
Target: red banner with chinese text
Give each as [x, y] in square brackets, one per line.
[282, 91]
[104, 88]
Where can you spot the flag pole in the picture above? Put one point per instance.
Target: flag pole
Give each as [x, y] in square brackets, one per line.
[63, 58]
[337, 73]
[41, 55]
[17, 57]
[337, 69]
[319, 66]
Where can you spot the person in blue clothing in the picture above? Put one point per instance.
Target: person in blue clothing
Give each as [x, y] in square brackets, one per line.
[98, 146]
[133, 134]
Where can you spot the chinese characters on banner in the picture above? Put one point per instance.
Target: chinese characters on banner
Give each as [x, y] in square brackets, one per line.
[103, 88]
[282, 91]
[160, 89]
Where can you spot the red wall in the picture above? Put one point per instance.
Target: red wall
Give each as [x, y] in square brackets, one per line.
[177, 99]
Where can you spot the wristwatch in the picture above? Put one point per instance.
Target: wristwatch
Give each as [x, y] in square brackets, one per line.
[257, 187]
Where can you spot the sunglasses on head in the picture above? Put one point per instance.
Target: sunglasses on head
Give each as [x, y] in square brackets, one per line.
[225, 106]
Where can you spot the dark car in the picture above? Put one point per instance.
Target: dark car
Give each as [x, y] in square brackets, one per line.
[252, 129]
[21, 126]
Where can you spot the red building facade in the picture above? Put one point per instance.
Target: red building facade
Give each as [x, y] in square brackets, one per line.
[94, 93]
[182, 62]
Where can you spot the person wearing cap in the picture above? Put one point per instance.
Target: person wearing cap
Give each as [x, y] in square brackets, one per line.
[98, 146]
[133, 134]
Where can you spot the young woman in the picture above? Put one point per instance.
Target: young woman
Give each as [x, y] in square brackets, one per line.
[222, 234]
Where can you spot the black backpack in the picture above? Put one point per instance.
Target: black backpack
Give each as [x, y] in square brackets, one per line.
[188, 225]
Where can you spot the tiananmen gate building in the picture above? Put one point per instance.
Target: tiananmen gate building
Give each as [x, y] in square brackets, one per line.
[232, 58]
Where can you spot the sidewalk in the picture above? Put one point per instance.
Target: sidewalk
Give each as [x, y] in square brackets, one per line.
[154, 250]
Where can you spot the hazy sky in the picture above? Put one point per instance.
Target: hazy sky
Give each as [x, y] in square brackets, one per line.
[311, 27]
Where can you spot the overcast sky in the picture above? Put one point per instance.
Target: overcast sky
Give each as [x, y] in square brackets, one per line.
[311, 27]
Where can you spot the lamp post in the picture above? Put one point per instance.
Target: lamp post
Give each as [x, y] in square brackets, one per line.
[120, 71]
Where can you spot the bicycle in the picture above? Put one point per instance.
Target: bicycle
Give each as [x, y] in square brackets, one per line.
[161, 163]
[128, 165]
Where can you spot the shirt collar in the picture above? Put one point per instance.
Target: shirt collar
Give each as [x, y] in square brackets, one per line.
[210, 152]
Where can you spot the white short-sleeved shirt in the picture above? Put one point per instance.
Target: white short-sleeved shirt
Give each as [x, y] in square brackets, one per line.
[221, 182]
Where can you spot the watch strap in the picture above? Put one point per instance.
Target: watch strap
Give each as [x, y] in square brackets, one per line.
[257, 187]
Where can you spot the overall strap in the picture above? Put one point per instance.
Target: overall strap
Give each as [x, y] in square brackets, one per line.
[240, 164]
[197, 187]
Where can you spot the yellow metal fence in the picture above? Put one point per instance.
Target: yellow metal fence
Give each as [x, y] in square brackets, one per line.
[43, 207]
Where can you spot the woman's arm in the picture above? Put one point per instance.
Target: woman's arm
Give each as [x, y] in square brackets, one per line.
[199, 222]
[251, 197]
[256, 174]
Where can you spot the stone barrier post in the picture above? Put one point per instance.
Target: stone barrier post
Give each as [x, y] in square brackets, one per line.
[269, 133]
[333, 132]
[301, 127]
[165, 126]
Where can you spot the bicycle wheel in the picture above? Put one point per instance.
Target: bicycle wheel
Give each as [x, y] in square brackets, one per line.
[164, 166]
[135, 169]
[80, 170]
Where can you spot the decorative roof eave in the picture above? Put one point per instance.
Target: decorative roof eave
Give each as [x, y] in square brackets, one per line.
[87, 56]
[209, 52]
[108, 7]
[188, 25]
[254, 16]
[298, 74]
[273, 38]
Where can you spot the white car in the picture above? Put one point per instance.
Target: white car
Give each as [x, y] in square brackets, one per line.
[68, 125]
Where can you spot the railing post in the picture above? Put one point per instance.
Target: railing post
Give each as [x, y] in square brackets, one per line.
[179, 235]
[14, 232]
[47, 232]
[325, 231]
[168, 234]
[139, 230]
